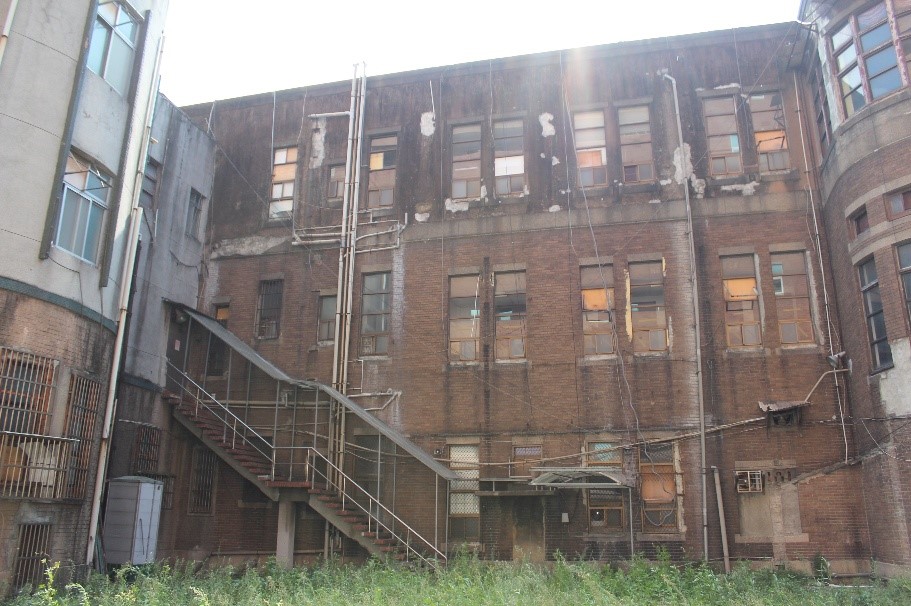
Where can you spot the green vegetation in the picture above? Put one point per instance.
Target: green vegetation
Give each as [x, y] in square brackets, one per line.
[465, 582]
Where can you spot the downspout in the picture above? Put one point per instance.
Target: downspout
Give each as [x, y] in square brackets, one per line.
[695, 282]
[7, 27]
[126, 285]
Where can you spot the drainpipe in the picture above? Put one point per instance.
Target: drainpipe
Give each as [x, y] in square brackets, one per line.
[126, 286]
[7, 27]
[721, 521]
[695, 282]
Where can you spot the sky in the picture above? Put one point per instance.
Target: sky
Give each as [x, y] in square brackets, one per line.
[217, 49]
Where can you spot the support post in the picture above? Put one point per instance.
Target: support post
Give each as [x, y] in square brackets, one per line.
[721, 521]
[284, 544]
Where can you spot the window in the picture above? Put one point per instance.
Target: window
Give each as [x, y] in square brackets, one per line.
[83, 401]
[523, 459]
[635, 143]
[32, 556]
[741, 301]
[597, 284]
[85, 200]
[194, 210]
[647, 306]
[749, 481]
[466, 161]
[326, 329]
[336, 181]
[723, 138]
[381, 187]
[591, 150]
[284, 171]
[658, 488]
[217, 363]
[865, 58]
[112, 47]
[464, 318]
[880, 352]
[149, 184]
[146, 446]
[904, 266]
[375, 314]
[509, 308]
[769, 132]
[605, 509]
[792, 297]
[603, 454]
[464, 503]
[509, 156]
[269, 314]
[202, 480]
[821, 109]
[26, 385]
[860, 222]
[899, 204]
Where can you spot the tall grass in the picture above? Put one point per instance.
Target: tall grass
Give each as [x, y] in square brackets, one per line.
[465, 582]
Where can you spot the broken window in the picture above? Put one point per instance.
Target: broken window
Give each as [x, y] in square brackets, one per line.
[202, 480]
[524, 458]
[865, 58]
[899, 204]
[880, 351]
[464, 318]
[860, 222]
[769, 132]
[597, 284]
[792, 297]
[82, 210]
[658, 487]
[464, 503]
[218, 349]
[466, 161]
[647, 306]
[606, 510]
[591, 150]
[723, 137]
[375, 314]
[381, 184]
[194, 210]
[904, 266]
[269, 314]
[509, 308]
[326, 329]
[741, 301]
[26, 385]
[112, 46]
[146, 447]
[83, 402]
[284, 171]
[509, 156]
[336, 181]
[32, 557]
[636, 143]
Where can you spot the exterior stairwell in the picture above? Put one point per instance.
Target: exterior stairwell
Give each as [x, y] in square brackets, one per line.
[310, 477]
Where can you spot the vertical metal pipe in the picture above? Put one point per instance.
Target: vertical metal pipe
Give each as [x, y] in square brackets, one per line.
[7, 27]
[632, 536]
[721, 521]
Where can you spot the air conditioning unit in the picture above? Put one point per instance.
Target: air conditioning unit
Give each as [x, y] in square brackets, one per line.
[749, 481]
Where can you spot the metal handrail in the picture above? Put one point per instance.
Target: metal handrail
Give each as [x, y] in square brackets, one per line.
[237, 421]
[347, 481]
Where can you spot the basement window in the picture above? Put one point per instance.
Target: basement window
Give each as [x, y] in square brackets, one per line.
[636, 143]
[113, 45]
[741, 301]
[202, 481]
[375, 314]
[466, 161]
[509, 307]
[591, 150]
[32, 556]
[381, 183]
[464, 318]
[647, 306]
[509, 157]
[597, 287]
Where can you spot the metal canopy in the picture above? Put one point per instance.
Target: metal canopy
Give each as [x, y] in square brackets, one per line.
[581, 477]
[273, 371]
[779, 406]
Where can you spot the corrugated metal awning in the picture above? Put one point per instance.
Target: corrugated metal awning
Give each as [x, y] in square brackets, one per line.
[581, 477]
[778, 406]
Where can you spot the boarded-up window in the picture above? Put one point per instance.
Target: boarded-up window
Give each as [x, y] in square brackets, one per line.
[284, 171]
[525, 457]
[375, 314]
[509, 307]
[269, 314]
[83, 402]
[636, 143]
[723, 138]
[464, 318]
[658, 488]
[464, 503]
[509, 156]
[769, 132]
[466, 161]
[647, 306]
[597, 285]
[381, 184]
[741, 301]
[202, 481]
[792, 297]
[591, 151]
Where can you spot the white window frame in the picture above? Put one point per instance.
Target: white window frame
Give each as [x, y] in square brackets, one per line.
[83, 181]
[121, 17]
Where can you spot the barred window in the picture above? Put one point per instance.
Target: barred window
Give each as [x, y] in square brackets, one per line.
[31, 555]
[26, 385]
[269, 314]
[658, 488]
[146, 448]
[464, 504]
[83, 401]
[202, 480]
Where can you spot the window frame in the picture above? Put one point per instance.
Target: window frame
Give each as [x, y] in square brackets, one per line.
[667, 472]
[456, 321]
[90, 230]
[599, 509]
[859, 222]
[520, 463]
[659, 307]
[733, 134]
[274, 309]
[507, 159]
[734, 303]
[636, 139]
[469, 160]
[762, 118]
[380, 338]
[336, 186]
[597, 321]
[779, 277]
[284, 182]
[203, 481]
[82, 410]
[595, 148]
[382, 165]
[905, 197]
[904, 273]
[325, 326]
[37, 386]
[874, 317]
[194, 214]
[101, 63]
[506, 339]
[469, 470]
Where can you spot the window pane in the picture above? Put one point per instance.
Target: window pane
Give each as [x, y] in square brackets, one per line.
[632, 115]
[885, 83]
[98, 47]
[589, 138]
[588, 120]
[842, 36]
[93, 233]
[597, 277]
[846, 57]
[904, 256]
[872, 16]
[120, 63]
[874, 38]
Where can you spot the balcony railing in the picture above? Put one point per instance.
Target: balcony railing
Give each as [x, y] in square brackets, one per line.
[38, 467]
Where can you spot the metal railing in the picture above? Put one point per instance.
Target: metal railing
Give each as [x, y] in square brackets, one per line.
[353, 494]
[234, 429]
[36, 467]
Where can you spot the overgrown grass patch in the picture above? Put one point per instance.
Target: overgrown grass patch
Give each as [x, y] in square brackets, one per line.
[465, 582]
